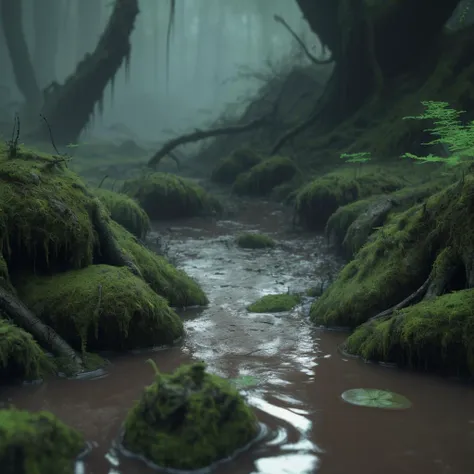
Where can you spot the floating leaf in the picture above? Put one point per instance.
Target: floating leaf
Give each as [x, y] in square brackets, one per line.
[244, 381]
[372, 397]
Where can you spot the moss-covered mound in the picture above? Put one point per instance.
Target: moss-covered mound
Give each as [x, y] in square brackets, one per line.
[167, 196]
[175, 285]
[37, 443]
[320, 198]
[20, 355]
[189, 420]
[238, 162]
[126, 211]
[436, 334]
[433, 239]
[251, 240]
[44, 213]
[261, 179]
[275, 303]
[102, 307]
[349, 228]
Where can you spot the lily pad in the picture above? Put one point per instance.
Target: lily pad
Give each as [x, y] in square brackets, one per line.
[375, 398]
[244, 381]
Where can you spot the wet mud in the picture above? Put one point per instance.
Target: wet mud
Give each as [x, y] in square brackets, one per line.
[295, 371]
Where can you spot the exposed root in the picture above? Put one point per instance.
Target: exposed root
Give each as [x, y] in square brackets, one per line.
[21, 315]
[445, 267]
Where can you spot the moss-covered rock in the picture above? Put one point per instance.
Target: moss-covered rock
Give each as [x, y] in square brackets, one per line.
[251, 240]
[261, 179]
[320, 198]
[436, 334]
[401, 255]
[20, 355]
[275, 303]
[189, 420]
[175, 285]
[37, 443]
[126, 211]
[102, 308]
[167, 196]
[238, 162]
[44, 213]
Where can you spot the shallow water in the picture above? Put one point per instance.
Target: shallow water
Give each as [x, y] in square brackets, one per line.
[298, 371]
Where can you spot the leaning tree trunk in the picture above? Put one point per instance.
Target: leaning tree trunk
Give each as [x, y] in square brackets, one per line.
[70, 106]
[371, 45]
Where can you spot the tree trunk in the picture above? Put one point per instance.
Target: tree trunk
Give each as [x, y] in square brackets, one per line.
[46, 27]
[371, 45]
[69, 107]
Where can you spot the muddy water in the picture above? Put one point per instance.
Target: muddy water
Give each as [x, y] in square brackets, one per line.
[298, 372]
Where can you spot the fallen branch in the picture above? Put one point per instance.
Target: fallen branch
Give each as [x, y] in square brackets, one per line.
[21, 315]
[201, 135]
[415, 297]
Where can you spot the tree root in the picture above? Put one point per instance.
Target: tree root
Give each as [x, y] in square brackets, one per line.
[201, 135]
[111, 251]
[21, 315]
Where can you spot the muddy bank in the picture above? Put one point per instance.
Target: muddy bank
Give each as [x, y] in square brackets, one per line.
[293, 373]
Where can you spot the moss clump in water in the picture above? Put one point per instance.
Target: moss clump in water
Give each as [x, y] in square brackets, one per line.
[261, 179]
[20, 354]
[318, 200]
[238, 162]
[175, 285]
[434, 334]
[126, 211]
[189, 420]
[37, 443]
[250, 240]
[167, 196]
[275, 303]
[102, 308]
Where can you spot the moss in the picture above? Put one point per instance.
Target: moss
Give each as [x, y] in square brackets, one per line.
[175, 285]
[44, 213]
[319, 199]
[238, 162]
[37, 443]
[261, 179]
[126, 211]
[436, 334]
[250, 240]
[275, 303]
[189, 420]
[102, 308]
[399, 257]
[167, 196]
[20, 355]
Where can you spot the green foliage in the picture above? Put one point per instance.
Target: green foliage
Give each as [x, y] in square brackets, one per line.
[450, 132]
[362, 157]
[275, 303]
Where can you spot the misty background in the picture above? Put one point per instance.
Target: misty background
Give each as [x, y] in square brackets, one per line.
[219, 50]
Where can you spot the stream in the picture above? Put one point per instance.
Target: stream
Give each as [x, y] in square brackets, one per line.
[297, 372]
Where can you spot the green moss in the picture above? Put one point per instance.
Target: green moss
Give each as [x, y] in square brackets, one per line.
[167, 196]
[238, 162]
[44, 213]
[275, 303]
[261, 179]
[102, 308]
[319, 199]
[436, 334]
[125, 211]
[189, 420]
[20, 355]
[37, 443]
[175, 285]
[399, 257]
[250, 240]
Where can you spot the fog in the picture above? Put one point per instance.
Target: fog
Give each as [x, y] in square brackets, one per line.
[215, 49]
